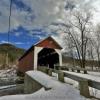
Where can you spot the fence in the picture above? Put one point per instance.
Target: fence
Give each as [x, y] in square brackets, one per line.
[84, 83]
[73, 69]
[4, 83]
[12, 89]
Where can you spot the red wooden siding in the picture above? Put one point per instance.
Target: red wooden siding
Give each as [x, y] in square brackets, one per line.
[27, 62]
[49, 43]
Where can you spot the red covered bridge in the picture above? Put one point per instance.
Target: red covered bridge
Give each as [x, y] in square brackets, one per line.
[44, 53]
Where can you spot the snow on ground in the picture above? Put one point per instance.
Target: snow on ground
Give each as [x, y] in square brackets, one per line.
[42, 78]
[59, 91]
[87, 76]
[94, 73]
[8, 74]
[91, 75]
[8, 86]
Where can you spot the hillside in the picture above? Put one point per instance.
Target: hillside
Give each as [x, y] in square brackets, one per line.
[13, 53]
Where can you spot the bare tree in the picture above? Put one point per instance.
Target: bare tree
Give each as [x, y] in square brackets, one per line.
[69, 47]
[81, 27]
[97, 43]
[78, 29]
[90, 52]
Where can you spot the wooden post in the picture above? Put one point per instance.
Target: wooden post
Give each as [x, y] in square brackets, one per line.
[50, 72]
[84, 89]
[61, 76]
[72, 70]
[67, 69]
[78, 71]
[85, 71]
[43, 69]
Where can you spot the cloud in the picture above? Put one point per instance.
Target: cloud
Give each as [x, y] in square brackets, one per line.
[20, 17]
[33, 14]
[16, 43]
[17, 34]
[3, 41]
[30, 13]
[34, 17]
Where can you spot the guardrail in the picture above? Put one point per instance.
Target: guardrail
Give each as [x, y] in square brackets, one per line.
[91, 83]
[73, 69]
[5, 83]
[12, 89]
[84, 83]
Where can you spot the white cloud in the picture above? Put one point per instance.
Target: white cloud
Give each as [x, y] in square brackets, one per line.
[43, 13]
[96, 14]
[17, 43]
[3, 41]
[17, 34]
[18, 17]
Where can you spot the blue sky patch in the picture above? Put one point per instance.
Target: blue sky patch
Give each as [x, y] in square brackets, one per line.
[21, 5]
[23, 40]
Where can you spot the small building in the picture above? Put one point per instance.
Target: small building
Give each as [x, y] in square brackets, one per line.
[44, 53]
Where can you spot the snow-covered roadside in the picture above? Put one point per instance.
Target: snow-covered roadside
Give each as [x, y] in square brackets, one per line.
[91, 75]
[42, 95]
[87, 76]
[8, 74]
[59, 91]
[94, 73]
[5, 87]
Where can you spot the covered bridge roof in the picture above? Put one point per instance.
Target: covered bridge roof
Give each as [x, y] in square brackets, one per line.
[48, 42]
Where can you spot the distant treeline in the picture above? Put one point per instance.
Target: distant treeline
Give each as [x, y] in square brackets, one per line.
[76, 62]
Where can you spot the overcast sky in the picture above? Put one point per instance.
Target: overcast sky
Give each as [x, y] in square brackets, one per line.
[31, 18]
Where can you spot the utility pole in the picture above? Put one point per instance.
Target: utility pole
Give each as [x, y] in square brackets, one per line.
[9, 27]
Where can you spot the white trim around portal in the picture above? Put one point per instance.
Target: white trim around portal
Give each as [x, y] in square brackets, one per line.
[36, 51]
[60, 56]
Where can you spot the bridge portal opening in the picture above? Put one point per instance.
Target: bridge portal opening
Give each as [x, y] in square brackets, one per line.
[48, 57]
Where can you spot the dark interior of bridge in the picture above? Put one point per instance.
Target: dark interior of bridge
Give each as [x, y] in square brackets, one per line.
[48, 57]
